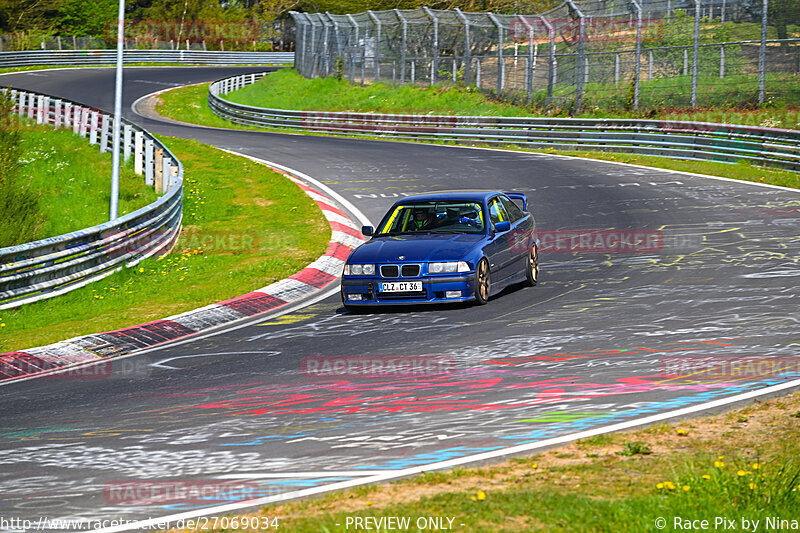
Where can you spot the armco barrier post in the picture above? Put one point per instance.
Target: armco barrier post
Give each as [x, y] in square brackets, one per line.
[104, 133]
[138, 152]
[93, 128]
[148, 163]
[126, 142]
[58, 118]
[158, 169]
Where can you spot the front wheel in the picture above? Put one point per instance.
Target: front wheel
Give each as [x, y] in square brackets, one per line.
[532, 267]
[483, 283]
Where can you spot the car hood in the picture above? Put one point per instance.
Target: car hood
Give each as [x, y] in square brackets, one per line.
[416, 248]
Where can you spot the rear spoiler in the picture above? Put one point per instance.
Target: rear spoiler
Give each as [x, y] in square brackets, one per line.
[519, 196]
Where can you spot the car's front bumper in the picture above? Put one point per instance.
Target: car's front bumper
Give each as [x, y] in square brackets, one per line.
[434, 289]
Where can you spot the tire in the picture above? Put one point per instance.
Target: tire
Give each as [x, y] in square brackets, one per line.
[483, 282]
[532, 267]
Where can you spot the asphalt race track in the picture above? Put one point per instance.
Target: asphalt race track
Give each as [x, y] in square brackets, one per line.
[605, 337]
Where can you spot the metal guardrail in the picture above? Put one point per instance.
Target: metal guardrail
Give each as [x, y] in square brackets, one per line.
[108, 57]
[49, 267]
[676, 139]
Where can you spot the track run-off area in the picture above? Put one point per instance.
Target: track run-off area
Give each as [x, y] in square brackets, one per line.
[283, 407]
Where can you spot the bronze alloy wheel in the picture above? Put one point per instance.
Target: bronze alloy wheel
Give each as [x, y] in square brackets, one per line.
[532, 268]
[483, 283]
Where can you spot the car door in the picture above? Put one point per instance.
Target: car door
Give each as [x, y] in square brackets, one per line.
[520, 240]
[499, 249]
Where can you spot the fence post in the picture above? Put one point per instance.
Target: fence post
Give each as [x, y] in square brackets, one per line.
[722, 61]
[435, 55]
[337, 50]
[467, 51]
[311, 57]
[403, 45]
[637, 71]
[21, 98]
[616, 68]
[478, 73]
[696, 50]
[325, 46]
[529, 68]
[580, 67]
[377, 22]
[31, 106]
[551, 72]
[352, 60]
[68, 114]
[650, 65]
[501, 65]
[762, 55]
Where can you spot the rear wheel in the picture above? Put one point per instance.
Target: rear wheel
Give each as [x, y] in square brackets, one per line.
[483, 282]
[532, 267]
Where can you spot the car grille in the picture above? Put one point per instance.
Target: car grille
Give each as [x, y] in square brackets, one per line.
[410, 271]
[389, 271]
[396, 271]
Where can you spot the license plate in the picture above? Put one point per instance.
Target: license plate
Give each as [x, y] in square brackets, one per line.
[402, 286]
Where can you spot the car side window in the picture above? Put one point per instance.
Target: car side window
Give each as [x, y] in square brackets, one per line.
[513, 210]
[497, 212]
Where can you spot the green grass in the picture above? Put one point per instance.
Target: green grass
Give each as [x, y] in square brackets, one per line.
[74, 181]
[286, 89]
[262, 228]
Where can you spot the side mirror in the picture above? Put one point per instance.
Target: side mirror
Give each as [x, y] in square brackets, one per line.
[367, 231]
[502, 227]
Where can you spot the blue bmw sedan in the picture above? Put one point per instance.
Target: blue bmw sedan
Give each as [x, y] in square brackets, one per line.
[444, 247]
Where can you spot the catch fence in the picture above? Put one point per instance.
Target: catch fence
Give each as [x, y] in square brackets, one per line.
[626, 54]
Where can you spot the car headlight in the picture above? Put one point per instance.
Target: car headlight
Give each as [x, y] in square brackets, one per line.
[359, 270]
[449, 267]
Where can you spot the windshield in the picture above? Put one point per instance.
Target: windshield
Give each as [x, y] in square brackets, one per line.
[434, 217]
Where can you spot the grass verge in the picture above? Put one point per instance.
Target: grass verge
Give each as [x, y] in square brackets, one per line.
[73, 181]
[244, 227]
[718, 466]
[189, 104]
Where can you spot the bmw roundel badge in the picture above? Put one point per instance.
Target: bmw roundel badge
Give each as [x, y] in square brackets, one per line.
[401, 258]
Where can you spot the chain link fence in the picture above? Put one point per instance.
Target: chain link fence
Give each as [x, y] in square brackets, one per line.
[625, 54]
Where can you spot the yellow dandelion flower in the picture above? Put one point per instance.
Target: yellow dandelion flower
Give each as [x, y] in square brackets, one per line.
[472, 498]
[682, 432]
[534, 465]
[752, 486]
[719, 464]
[481, 495]
[659, 485]
[741, 473]
[686, 488]
[706, 477]
[756, 466]
[669, 485]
